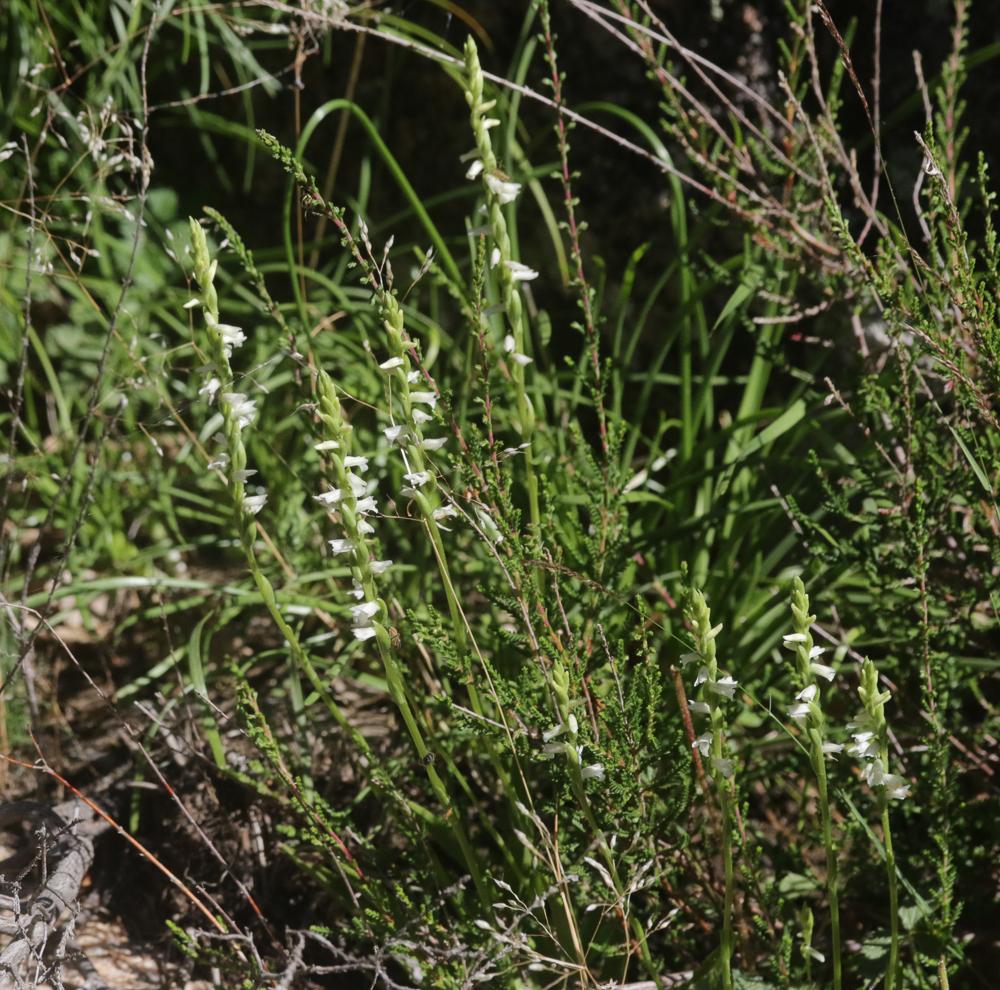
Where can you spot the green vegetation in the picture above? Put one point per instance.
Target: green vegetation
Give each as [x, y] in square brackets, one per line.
[472, 596]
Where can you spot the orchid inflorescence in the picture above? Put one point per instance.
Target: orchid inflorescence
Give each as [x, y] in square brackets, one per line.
[237, 409]
[352, 498]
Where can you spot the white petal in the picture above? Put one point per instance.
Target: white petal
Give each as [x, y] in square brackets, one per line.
[242, 408]
[877, 776]
[366, 610]
[798, 712]
[723, 766]
[366, 505]
[254, 503]
[210, 388]
[505, 191]
[475, 169]
[358, 485]
[393, 362]
[231, 336]
[428, 398]
[521, 273]
[331, 497]
[897, 789]
[725, 686]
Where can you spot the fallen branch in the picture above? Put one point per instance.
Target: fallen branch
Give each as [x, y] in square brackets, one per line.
[61, 843]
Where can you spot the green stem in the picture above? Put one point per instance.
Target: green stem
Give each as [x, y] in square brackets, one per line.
[726, 946]
[819, 764]
[943, 974]
[397, 691]
[890, 866]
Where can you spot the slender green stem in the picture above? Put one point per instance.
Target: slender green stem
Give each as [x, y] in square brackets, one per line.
[890, 867]
[397, 691]
[725, 800]
[942, 974]
[819, 765]
[395, 171]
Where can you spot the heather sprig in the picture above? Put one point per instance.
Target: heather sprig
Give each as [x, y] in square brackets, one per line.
[565, 739]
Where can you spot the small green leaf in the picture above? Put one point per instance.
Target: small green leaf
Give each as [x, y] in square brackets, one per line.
[797, 885]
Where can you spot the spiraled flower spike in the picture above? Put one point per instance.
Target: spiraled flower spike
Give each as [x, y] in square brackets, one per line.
[369, 617]
[872, 696]
[353, 505]
[408, 434]
[500, 191]
[235, 408]
[871, 745]
[712, 746]
[204, 268]
[808, 712]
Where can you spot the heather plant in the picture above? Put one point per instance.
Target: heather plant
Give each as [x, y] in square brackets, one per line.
[498, 590]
